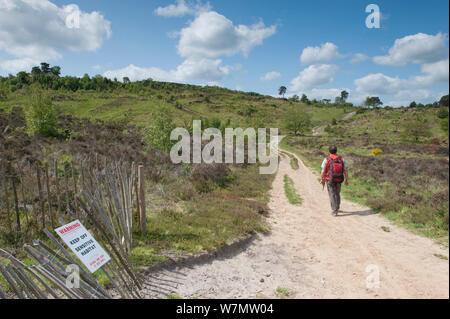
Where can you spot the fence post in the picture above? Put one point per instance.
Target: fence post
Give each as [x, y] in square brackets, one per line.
[58, 192]
[47, 183]
[143, 215]
[136, 187]
[16, 202]
[41, 197]
[6, 197]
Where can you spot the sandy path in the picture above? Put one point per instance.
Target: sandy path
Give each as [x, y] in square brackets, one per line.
[315, 255]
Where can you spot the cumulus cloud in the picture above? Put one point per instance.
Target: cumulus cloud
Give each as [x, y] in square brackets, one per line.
[206, 38]
[419, 48]
[358, 58]
[35, 30]
[433, 73]
[181, 8]
[326, 52]
[313, 76]
[211, 35]
[270, 76]
[190, 69]
[380, 84]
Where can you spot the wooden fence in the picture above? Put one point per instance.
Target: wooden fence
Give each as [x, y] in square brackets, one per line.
[107, 198]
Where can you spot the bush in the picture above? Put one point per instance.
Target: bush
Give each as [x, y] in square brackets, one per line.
[40, 115]
[442, 113]
[157, 134]
[206, 177]
[3, 93]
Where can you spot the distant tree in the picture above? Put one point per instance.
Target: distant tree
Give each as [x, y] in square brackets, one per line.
[444, 101]
[373, 101]
[338, 100]
[297, 121]
[326, 101]
[56, 70]
[126, 80]
[282, 90]
[304, 99]
[295, 98]
[413, 104]
[344, 96]
[45, 68]
[23, 78]
[36, 71]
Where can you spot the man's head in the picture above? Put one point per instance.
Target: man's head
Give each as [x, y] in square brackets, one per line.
[333, 149]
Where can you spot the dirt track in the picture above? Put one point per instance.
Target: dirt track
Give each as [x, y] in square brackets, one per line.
[315, 255]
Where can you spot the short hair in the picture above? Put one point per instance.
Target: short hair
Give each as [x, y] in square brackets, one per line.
[333, 149]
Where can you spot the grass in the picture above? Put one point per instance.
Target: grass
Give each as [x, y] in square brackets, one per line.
[386, 229]
[206, 221]
[284, 292]
[441, 256]
[289, 190]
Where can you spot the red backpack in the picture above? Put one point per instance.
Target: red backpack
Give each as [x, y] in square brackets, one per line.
[335, 167]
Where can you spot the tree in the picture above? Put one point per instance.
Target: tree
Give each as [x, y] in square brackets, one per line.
[45, 68]
[36, 71]
[344, 96]
[444, 101]
[304, 99]
[40, 115]
[413, 104]
[126, 80]
[373, 101]
[282, 90]
[158, 133]
[297, 121]
[295, 98]
[56, 71]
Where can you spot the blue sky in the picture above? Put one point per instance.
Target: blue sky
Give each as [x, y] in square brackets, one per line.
[312, 47]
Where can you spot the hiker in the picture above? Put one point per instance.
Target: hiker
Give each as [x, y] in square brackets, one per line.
[334, 173]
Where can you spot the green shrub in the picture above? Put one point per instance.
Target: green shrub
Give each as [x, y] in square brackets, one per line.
[157, 134]
[442, 113]
[40, 115]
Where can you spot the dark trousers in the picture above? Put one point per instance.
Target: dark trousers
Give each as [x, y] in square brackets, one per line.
[334, 191]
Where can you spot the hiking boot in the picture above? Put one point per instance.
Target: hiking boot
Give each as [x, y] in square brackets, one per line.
[335, 213]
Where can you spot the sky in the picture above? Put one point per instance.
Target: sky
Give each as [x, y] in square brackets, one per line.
[317, 48]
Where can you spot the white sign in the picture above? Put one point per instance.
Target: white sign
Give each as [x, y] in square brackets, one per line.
[84, 245]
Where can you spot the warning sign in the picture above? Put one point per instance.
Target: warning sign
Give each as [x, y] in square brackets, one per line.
[85, 247]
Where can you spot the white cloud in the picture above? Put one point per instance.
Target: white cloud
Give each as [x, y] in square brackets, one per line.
[181, 8]
[35, 30]
[433, 73]
[313, 76]
[322, 54]
[270, 76]
[211, 35]
[418, 48]
[380, 84]
[358, 58]
[96, 67]
[191, 69]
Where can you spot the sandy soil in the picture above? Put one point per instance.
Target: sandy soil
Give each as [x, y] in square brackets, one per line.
[312, 254]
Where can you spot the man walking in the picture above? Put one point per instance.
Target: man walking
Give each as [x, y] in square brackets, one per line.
[334, 173]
